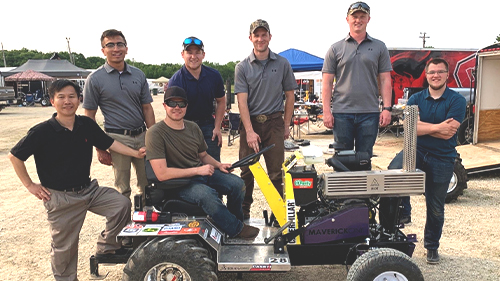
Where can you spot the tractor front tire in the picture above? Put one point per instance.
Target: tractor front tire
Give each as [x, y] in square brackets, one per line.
[384, 264]
[170, 258]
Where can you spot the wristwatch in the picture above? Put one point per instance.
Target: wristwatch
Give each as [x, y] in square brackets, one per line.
[388, 108]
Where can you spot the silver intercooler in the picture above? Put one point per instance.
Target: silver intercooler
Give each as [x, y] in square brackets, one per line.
[408, 181]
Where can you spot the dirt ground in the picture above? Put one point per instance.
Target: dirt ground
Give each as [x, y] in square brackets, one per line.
[470, 246]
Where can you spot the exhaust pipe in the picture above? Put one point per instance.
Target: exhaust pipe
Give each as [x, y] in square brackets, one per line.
[410, 115]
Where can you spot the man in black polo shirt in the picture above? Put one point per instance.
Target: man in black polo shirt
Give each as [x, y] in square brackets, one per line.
[62, 148]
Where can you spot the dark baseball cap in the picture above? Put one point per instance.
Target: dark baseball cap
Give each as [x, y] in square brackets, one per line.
[358, 6]
[175, 92]
[259, 23]
[192, 41]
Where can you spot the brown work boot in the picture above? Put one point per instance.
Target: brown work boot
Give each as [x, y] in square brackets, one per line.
[248, 232]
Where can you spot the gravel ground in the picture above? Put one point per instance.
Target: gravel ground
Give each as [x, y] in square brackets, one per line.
[470, 247]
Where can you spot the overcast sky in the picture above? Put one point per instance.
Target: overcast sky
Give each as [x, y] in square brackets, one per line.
[155, 29]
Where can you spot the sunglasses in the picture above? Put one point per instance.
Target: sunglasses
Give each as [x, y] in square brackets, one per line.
[120, 45]
[195, 41]
[173, 104]
[358, 5]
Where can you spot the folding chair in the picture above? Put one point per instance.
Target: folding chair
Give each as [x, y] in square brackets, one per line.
[234, 124]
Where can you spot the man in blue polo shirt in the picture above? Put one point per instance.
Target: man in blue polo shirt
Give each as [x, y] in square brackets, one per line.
[441, 110]
[203, 85]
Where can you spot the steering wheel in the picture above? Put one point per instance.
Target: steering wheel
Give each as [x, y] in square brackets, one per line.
[250, 159]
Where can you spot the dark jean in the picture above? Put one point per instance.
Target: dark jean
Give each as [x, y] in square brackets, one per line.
[357, 131]
[438, 173]
[213, 145]
[203, 191]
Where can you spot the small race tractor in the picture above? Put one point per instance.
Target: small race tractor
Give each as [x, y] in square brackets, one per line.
[325, 219]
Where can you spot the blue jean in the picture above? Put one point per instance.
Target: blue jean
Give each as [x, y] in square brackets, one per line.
[357, 131]
[213, 145]
[438, 173]
[204, 190]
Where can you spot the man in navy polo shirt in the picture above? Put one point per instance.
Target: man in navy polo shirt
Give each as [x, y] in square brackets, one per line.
[441, 110]
[203, 85]
[62, 148]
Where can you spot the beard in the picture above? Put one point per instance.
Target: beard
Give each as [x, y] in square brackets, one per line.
[438, 87]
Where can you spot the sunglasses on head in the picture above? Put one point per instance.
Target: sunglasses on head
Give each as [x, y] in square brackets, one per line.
[358, 5]
[195, 41]
[173, 104]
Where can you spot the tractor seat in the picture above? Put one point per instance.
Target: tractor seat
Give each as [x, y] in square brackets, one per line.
[167, 190]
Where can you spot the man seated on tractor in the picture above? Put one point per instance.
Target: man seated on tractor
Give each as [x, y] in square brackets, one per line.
[176, 149]
[62, 147]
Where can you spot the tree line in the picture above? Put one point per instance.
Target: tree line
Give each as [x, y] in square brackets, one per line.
[15, 58]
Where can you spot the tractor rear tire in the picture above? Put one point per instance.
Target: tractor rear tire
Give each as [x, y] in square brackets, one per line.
[170, 258]
[466, 131]
[458, 181]
[384, 264]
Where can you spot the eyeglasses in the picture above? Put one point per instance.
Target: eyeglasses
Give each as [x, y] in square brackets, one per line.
[173, 104]
[195, 41]
[111, 45]
[359, 5]
[432, 72]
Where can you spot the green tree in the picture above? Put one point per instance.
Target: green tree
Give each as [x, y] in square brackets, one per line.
[498, 39]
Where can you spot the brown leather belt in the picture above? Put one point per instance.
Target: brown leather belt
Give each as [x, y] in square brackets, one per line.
[262, 118]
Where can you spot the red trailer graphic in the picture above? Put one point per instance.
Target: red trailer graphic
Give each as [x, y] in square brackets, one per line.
[409, 68]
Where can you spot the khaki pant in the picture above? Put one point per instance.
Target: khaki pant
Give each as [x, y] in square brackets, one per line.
[270, 132]
[66, 213]
[121, 164]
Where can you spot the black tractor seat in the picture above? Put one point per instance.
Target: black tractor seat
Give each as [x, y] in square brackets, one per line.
[170, 202]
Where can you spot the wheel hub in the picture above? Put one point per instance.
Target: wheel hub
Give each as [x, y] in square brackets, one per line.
[390, 276]
[453, 183]
[167, 272]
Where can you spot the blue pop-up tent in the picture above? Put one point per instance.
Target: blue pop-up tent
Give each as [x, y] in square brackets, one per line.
[302, 61]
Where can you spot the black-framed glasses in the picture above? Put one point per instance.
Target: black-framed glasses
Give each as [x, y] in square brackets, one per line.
[358, 5]
[111, 45]
[173, 104]
[192, 40]
[432, 72]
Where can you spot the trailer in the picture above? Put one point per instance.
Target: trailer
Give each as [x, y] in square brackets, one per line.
[481, 126]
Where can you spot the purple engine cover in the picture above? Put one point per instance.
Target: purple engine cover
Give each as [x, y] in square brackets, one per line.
[347, 223]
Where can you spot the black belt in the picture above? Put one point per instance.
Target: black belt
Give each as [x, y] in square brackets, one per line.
[77, 187]
[262, 118]
[133, 132]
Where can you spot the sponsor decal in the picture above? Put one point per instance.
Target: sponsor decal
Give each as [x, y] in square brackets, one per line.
[333, 231]
[303, 183]
[261, 267]
[194, 224]
[214, 234]
[290, 211]
[190, 230]
[205, 233]
[131, 230]
[170, 229]
[150, 229]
